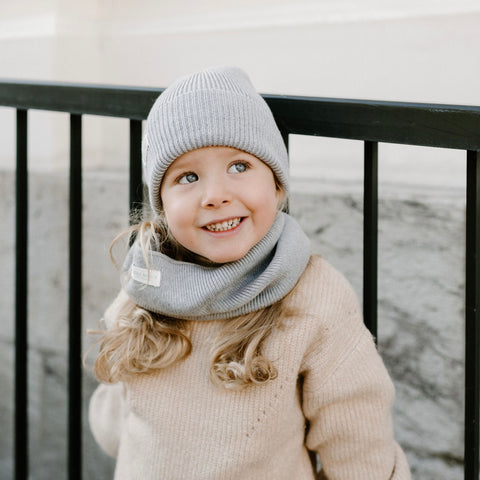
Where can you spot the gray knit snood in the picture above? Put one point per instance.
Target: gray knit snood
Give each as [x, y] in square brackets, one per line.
[195, 292]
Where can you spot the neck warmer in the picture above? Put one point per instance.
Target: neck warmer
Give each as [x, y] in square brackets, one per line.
[197, 292]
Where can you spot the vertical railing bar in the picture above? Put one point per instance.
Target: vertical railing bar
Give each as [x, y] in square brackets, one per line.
[284, 132]
[21, 295]
[75, 302]
[472, 317]
[370, 236]
[135, 181]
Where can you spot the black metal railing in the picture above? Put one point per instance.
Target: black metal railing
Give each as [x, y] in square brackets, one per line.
[445, 126]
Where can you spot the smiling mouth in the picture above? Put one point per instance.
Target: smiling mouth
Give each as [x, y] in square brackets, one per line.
[224, 226]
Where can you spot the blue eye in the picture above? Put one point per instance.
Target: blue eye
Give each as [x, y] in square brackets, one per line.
[188, 178]
[238, 167]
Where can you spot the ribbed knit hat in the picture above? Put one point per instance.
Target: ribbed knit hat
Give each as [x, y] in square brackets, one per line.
[215, 107]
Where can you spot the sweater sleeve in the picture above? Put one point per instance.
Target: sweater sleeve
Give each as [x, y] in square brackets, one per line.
[108, 407]
[350, 419]
[347, 398]
[107, 412]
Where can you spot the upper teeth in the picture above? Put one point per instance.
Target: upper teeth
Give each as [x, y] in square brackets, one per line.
[221, 227]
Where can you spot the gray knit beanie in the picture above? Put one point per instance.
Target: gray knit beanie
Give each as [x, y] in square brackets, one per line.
[215, 107]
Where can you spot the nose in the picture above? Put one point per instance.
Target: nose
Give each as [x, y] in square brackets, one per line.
[215, 195]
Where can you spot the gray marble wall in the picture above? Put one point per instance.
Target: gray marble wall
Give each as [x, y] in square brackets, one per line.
[421, 282]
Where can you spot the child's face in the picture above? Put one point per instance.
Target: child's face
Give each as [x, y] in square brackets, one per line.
[219, 202]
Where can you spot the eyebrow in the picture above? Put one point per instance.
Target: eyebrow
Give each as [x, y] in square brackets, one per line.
[176, 167]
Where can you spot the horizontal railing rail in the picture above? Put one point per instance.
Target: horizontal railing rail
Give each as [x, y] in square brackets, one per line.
[435, 125]
[373, 122]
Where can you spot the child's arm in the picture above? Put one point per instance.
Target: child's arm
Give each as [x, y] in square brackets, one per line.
[350, 419]
[347, 392]
[108, 407]
[107, 412]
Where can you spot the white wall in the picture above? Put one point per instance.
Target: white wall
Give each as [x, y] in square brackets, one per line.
[424, 50]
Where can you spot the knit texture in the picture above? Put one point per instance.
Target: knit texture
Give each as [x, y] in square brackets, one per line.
[215, 107]
[175, 424]
[196, 292]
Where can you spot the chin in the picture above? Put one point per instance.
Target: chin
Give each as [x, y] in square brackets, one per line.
[226, 258]
[210, 260]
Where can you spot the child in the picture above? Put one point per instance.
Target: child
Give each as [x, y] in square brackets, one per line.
[231, 352]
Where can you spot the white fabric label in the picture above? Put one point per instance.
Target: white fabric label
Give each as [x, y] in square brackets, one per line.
[147, 277]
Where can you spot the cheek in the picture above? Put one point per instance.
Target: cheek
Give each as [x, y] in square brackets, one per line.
[175, 216]
[171, 204]
[268, 206]
[180, 230]
[274, 200]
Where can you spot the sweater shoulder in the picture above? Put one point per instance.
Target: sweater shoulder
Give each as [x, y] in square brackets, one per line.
[326, 308]
[320, 270]
[322, 289]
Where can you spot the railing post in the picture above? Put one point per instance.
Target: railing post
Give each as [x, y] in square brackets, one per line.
[370, 236]
[21, 324]
[472, 317]
[75, 303]
[136, 186]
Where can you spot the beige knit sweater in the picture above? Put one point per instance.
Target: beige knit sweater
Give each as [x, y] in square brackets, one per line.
[175, 424]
